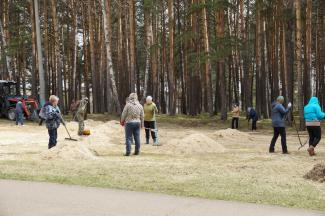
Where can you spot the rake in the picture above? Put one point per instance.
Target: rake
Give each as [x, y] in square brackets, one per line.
[301, 145]
[69, 138]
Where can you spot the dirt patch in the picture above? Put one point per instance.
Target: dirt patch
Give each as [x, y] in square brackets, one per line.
[195, 143]
[69, 151]
[231, 134]
[317, 173]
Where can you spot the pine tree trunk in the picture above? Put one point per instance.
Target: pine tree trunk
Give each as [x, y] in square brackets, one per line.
[42, 90]
[110, 72]
[207, 60]
[298, 49]
[57, 54]
[171, 68]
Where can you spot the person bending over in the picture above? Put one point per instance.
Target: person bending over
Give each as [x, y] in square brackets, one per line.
[252, 115]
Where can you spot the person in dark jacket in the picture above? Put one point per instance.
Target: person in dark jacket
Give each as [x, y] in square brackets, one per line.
[252, 115]
[313, 115]
[42, 113]
[53, 119]
[278, 117]
[19, 111]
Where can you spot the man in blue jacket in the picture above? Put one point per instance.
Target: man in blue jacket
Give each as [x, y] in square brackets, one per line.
[313, 115]
[252, 114]
[19, 113]
[278, 116]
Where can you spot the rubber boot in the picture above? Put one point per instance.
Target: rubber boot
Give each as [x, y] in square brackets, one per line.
[155, 142]
[147, 141]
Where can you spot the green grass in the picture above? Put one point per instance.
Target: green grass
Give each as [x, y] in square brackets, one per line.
[205, 177]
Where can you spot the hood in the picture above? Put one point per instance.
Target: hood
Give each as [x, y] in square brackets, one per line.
[274, 103]
[313, 100]
[133, 98]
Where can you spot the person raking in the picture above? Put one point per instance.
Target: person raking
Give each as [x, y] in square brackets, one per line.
[278, 123]
[53, 119]
[150, 110]
[79, 110]
[313, 115]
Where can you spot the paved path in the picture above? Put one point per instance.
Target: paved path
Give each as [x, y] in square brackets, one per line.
[44, 199]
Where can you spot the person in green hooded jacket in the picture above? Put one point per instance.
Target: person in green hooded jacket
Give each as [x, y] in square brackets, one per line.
[150, 111]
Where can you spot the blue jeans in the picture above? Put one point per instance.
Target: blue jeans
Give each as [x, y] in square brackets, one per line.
[132, 129]
[19, 118]
[53, 138]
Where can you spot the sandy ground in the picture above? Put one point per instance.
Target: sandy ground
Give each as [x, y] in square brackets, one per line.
[209, 163]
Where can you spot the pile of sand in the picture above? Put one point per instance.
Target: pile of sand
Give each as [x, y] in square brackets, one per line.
[196, 143]
[69, 151]
[317, 173]
[231, 134]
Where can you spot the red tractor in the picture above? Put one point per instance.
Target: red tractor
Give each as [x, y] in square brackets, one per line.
[9, 99]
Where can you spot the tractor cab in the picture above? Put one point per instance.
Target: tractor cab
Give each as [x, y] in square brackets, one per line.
[9, 97]
[8, 88]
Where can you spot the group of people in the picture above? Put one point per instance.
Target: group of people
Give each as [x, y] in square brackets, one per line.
[251, 115]
[134, 117]
[313, 115]
[51, 114]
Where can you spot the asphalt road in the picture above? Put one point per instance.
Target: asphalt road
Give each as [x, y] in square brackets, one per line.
[44, 199]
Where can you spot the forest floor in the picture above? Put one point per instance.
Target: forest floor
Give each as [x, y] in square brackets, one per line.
[199, 157]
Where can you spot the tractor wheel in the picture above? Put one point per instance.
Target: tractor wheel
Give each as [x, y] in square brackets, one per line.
[12, 115]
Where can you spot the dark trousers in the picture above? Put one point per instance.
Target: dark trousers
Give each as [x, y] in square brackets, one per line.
[150, 126]
[53, 137]
[279, 131]
[234, 123]
[132, 129]
[19, 118]
[41, 121]
[315, 135]
[254, 127]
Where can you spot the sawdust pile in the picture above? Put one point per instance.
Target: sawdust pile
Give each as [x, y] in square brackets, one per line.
[195, 143]
[69, 151]
[317, 173]
[104, 136]
[231, 134]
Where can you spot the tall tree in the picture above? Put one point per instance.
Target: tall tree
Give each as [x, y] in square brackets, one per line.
[298, 69]
[171, 68]
[109, 63]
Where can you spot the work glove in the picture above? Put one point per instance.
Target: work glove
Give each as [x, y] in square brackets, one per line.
[122, 123]
[289, 105]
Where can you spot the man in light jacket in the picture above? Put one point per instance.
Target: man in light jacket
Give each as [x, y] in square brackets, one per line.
[132, 118]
